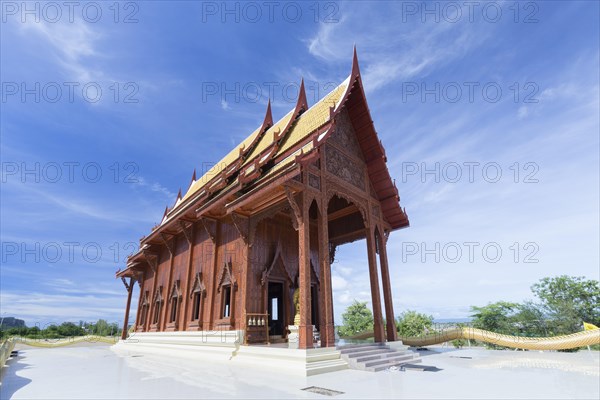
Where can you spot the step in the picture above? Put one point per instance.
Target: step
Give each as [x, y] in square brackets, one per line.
[383, 367]
[399, 359]
[325, 366]
[362, 348]
[349, 346]
[368, 353]
[383, 355]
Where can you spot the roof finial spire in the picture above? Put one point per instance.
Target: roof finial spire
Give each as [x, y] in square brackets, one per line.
[301, 104]
[355, 69]
[268, 121]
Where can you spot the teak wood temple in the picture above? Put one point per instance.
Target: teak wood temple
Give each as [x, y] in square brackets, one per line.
[265, 222]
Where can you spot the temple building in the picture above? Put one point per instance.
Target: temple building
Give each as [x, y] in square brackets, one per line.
[248, 247]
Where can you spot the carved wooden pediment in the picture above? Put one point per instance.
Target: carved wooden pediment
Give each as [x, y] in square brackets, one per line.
[145, 299]
[277, 260]
[175, 290]
[198, 286]
[158, 295]
[226, 277]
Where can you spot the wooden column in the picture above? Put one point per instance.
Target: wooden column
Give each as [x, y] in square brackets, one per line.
[306, 330]
[165, 312]
[126, 322]
[184, 306]
[392, 334]
[327, 329]
[212, 289]
[375, 296]
[138, 314]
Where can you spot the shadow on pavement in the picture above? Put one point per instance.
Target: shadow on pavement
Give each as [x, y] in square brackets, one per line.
[10, 382]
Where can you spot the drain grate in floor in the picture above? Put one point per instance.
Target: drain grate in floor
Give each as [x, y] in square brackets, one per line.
[323, 391]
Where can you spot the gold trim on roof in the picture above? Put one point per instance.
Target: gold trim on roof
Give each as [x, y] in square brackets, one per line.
[315, 117]
[269, 137]
[222, 165]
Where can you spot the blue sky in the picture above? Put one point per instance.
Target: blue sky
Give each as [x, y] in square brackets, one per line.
[497, 89]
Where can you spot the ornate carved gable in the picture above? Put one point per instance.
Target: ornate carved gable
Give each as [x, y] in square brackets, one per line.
[145, 299]
[314, 276]
[344, 158]
[277, 261]
[226, 277]
[198, 285]
[175, 290]
[158, 295]
[344, 136]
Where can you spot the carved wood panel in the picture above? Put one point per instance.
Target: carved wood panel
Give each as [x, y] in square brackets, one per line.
[344, 135]
[314, 181]
[344, 167]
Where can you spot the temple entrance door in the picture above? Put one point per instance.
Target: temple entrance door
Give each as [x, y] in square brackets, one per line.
[314, 306]
[275, 308]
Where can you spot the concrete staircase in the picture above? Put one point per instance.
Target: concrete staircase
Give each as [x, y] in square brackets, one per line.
[377, 356]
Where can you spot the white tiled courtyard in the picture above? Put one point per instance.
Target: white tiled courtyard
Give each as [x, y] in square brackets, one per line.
[95, 371]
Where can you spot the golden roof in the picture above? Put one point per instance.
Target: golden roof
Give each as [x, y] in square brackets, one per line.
[268, 138]
[312, 119]
[225, 162]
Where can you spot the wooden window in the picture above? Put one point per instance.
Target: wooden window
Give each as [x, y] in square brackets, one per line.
[156, 312]
[226, 301]
[196, 294]
[157, 306]
[174, 300]
[196, 306]
[145, 305]
[174, 304]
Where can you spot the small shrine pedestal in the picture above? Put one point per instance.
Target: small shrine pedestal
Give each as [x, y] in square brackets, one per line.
[293, 336]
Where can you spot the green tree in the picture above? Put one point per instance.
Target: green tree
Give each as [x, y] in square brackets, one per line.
[569, 301]
[497, 317]
[101, 328]
[69, 329]
[530, 320]
[412, 323]
[356, 319]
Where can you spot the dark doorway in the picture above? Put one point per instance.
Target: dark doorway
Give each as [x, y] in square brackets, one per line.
[275, 308]
[314, 306]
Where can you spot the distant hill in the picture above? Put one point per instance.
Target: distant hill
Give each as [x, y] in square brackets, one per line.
[11, 322]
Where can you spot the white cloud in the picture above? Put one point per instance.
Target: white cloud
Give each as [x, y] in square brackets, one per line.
[523, 112]
[45, 308]
[392, 51]
[73, 45]
[338, 283]
[155, 187]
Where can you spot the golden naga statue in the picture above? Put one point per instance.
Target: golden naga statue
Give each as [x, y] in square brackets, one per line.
[580, 339]
[297, 306]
